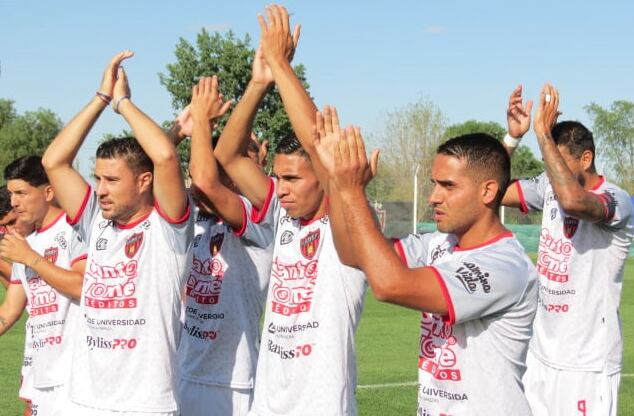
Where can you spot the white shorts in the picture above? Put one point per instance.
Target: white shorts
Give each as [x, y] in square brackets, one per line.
[49, 401]
[554, 392]
[199, 399]
[26, 387]
[74, 409]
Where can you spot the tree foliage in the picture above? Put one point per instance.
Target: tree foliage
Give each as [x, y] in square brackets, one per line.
[523, 162]
[25, 134]
[613, 130]
[230, 58]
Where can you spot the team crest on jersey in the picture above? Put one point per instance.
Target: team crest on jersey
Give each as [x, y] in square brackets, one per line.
[133, 244]
[570, 226]
[50, 254]
[215, 244]
[309, 244]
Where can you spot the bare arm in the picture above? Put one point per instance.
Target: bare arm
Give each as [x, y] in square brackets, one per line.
[231, 149]
[574, 199]
[69, 186]
[205, 106]
[12, 307]
[168, 186]
[69, 282]
[5, 273]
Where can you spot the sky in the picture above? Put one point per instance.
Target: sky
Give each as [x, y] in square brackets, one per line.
[367, 58]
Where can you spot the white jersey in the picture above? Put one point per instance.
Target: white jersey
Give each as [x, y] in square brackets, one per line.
[52, 315]
[125, 352]
[225, 292]
[307, 362]
[580, 266]
[471, 361]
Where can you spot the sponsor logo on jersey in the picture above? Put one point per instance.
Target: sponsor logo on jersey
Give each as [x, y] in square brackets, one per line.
[437, 253]
[290, 329]
[287, 353]
[215, 243]
[196, 332]
[287, 237]
[553, 258]
[101, 244]
[470, 275]
[50, 254]
[133, 244]
[292, 286]
[41, 297]
[436, 355]
[553, 213]
[60, 239]
[202, 315]
[111, 287]
[570, 226]
[204, 283]
[309, 244]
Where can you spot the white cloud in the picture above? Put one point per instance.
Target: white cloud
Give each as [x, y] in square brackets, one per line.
[435, 30]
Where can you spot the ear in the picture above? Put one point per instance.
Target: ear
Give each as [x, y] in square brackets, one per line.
[49, 194]
[490, 189]
[587, 157]
[144, 182]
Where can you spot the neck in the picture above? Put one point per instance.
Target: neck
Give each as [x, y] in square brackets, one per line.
[320, 212]
[52, 213]
[142, 212]
[591, 180]
[485, 229]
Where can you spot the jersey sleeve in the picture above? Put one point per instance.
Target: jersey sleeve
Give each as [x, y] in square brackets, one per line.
[179, 232]
[412, 249]
[482, 285]
[531, 192]
[261, 224]
[618, 208]
[18, 274]
[78, 248]
[82, 223]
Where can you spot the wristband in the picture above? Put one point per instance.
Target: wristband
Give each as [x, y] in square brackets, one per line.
[104, 97]
[511, 141]
[117, 102]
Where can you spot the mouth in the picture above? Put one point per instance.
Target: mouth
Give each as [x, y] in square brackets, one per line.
[438, 215]
[105, 204]
[286, 204]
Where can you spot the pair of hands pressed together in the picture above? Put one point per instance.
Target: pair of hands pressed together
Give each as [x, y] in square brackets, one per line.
[114, 83]
[518, 115]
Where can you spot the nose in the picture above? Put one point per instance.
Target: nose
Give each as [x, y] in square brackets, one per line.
[282, 188]
[101, 189]
[14, 201]
[434, 196]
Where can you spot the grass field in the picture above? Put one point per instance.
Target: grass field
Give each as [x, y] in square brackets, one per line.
[387, 345]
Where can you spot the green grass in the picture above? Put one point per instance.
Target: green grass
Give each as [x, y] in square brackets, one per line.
[387, 352]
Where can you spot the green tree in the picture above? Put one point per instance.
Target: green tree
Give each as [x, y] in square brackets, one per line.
[25, 134]
[614, 134]
[230, 58]
[523, 162]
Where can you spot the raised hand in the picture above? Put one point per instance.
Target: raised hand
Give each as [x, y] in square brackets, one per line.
[110, 74]
[276, 39]
[207, 103]
[121, 89]
[547, 112]
[518, 115]
[326, 136]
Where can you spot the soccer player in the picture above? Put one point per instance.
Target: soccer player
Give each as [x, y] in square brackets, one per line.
[575, 355]
[471, 279]
[7, 223]
[47, 274]
[139, 232]
[227, 281]
[307, 360]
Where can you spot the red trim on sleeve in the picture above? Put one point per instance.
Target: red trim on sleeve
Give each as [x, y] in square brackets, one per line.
[170, 220]
[48, 226]
[450, 318]
[498, 237]
[606, 207]
[523, 205]
[258, 215]
[398, 246]
[80, 258]
[599, 183]
[241, 231]
[15, 282]
[73, 221]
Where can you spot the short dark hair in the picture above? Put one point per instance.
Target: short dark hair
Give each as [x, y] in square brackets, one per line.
[129, 149]
[290, 145]
[5, 201]
[484, 153]
[575, 137]
[27, 168]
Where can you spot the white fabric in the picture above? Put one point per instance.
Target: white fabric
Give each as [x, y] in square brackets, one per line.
[580, 266]
[50, 401]
[206, 400]
[52, 315]
[74, 409]
[307, 361]
[125, 352]
[554, 392]
[490, 292]
[225, 293]
[26, 384]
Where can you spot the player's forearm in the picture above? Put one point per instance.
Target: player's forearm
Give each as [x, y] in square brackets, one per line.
[62, 151]
[67, 282]
[5, 273]
[202, 163]
[237, 132]
[340, 234]
[150, 136]
[297, 103]
[7, 318]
